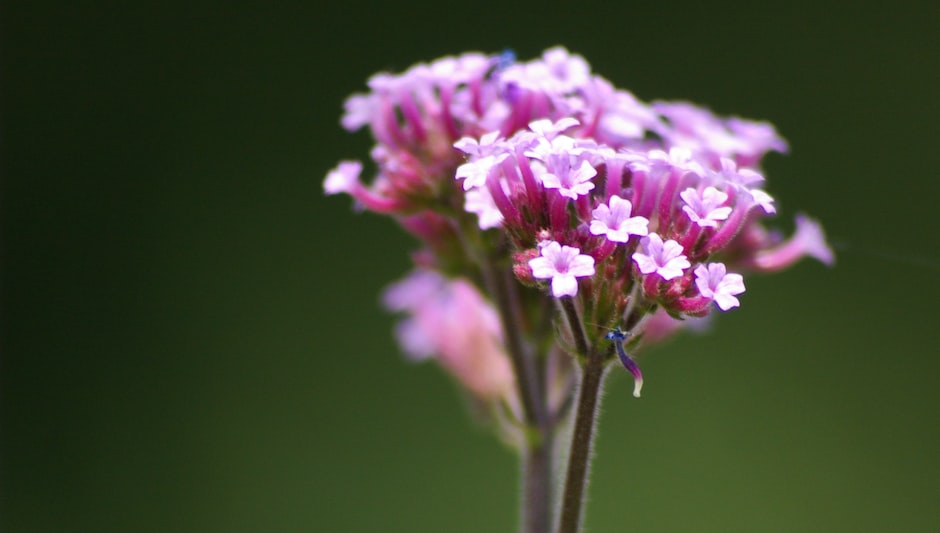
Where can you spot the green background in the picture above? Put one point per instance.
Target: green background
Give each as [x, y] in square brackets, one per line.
[191, 335]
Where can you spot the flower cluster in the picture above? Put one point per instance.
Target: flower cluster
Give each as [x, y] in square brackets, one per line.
[636, 210]
[641, 215]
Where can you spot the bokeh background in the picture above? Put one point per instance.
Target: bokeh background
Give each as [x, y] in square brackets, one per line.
[191, 336]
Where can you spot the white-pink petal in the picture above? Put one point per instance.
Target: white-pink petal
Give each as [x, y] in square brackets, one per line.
[714, 282]
[564, 285]
[480, 202]
[562, 264]
[703, 209]
[645, 263]
[343, 178]
[730, 285]
[582, 265]
[673, 268]
[615, 222]
[665, 259]
[542, 268]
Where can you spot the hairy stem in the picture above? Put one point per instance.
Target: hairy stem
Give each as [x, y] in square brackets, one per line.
[592, 375]
[579, 456]
[537, 485]
[538, 446]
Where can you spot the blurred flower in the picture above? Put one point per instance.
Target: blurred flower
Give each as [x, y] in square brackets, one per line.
[450, 321]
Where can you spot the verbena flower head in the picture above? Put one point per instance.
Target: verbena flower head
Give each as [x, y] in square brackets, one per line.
[636, 211]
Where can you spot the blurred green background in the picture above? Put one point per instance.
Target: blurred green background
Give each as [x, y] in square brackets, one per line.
[191, 339]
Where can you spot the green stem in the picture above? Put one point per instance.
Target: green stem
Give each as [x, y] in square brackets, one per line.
[537, 485]
[592, 376]
[538, 446]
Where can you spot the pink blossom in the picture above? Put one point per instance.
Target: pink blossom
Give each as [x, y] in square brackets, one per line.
[624, 118]
[480, 202]
[557, 73]
[665, 259]
[548, 129]
[808, 239]
[756, 137]
[745, 181]
[714, 282]
[562, 264]
[739, 177]
[488, 144]
[450, 321]
[550, 153]
[562, 168]
[570, 183]
[678, 158]
[615, 221]
[360, 109]
[474, 172]
[344, 178]
[705, 209]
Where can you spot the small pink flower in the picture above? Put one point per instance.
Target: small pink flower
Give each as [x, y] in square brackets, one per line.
[343, 178]
[615, 221]
[548, 129]
[570, 182]
[745, 181]
[663, 258]
[488, 144]
[480, 202]
[562, 264]
[705, 209]
[450, 321]
[808, 239]
[714, 282]
[739, 177]
[474, 173]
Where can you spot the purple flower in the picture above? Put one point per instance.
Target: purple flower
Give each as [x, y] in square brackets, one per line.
[714, 282]
[615, 221]
[739, 177]
[665, 259]
[807, 240]
[704, 209]
[480, 202]
[744, 180]
[570, 182]
[677, 158]
[562, 264]
[562, 167]
[474, 173]
[359, 111]
[550, 153]
[557, 74]
[757, 137]
[548, 129]
[452, 322]
[343, 178]
[488, 144]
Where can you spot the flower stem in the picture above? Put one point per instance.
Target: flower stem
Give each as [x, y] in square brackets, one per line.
[538, 446]
[537, 484]
[592, 376]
